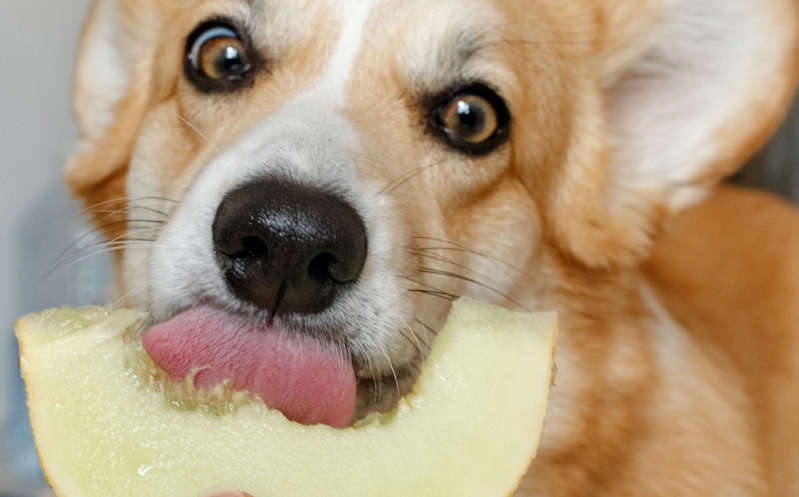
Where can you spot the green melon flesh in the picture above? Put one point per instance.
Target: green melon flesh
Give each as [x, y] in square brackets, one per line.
[469, 429]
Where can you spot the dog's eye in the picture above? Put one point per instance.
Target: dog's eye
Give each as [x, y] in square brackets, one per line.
[470, 118]
[473, 119]
[216, 58]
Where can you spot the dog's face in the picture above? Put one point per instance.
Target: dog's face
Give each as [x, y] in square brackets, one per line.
[342, 169]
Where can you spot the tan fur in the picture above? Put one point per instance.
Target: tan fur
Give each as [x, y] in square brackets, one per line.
[679, 357]
[728, 273]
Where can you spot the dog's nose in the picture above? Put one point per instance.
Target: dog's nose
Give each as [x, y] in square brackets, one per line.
[286, 247]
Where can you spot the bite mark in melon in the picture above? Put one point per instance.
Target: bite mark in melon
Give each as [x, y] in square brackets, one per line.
[470, 428]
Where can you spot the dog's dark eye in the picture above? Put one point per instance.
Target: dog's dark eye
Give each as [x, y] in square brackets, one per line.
[216, 58]
[473, 119]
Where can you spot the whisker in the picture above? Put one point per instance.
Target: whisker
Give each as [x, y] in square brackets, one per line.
[450, 262]
[442, 295]
[98, 230]
[427, 327]
[147, 322]
[404, 334]
[98, 248]
[598, 276]
[126, 201]
[414, 339]
[497, 260]
[424, 342]
[129, 206]
[391, 367]
[195, 129]
[106, 248]
[405, 178]
[117, 303]
[377, 385]
[74, 245]
[438, 272]
[511, 41]
[129, 210]
[61, 257]
[421, 283]
[158, 222]
[69, 265]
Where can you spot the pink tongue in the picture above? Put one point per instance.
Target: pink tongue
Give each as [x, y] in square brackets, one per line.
[308, 382]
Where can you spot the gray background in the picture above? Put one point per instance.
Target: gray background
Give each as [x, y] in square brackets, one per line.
[38, 219]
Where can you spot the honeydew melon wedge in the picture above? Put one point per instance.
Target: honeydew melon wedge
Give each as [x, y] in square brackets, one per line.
[470, 427]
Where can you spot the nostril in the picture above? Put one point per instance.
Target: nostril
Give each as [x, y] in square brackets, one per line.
[339, 273]
[320, 268]
[252, 247]
[327, 268]
[247, 247]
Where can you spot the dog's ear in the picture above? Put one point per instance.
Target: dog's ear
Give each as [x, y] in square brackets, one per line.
[112, 87]
[691, 89]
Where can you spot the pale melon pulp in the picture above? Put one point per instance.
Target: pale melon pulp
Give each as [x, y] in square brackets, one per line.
[470, 428]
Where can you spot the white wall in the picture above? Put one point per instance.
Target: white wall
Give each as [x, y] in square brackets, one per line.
[37, 218]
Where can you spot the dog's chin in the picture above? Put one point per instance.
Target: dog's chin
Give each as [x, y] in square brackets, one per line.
[310, 375]
[382, 393]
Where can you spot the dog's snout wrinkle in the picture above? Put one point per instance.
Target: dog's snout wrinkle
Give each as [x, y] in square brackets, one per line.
[286, 247]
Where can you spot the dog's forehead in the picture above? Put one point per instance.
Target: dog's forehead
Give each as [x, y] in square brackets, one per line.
[437, 43]
[429, 44]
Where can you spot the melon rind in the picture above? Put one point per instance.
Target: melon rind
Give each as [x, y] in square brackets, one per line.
[469, 429]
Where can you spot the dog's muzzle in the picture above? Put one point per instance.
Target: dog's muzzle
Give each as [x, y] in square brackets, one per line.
[288, 248]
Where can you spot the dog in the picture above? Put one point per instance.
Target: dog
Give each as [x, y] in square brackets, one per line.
[343, 169]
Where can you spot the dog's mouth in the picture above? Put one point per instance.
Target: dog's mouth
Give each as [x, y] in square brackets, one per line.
[311, 381]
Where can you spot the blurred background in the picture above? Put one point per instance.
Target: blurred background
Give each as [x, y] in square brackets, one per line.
[39, 220]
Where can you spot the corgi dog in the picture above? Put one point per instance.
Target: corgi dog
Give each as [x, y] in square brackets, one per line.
[340, 170]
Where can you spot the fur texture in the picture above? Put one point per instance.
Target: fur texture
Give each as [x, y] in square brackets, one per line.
[676, 373]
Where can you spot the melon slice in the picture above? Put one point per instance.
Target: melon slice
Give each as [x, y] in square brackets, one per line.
[470, 427]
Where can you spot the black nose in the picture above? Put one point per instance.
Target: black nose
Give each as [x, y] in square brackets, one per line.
[286, 247]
